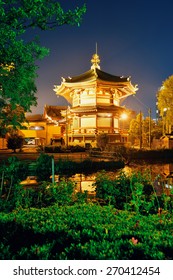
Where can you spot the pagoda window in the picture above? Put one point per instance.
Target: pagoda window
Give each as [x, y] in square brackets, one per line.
[88, 98]
[88, 122]
[115, 123]
[103, 98]
[104, 122]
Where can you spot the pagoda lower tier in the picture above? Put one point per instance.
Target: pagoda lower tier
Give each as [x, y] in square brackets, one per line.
[82, 125]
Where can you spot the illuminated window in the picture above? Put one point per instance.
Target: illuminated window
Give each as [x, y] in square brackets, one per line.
[36, 127]
[115, 123]
[88, 122]
[88, 98]
[104, 122]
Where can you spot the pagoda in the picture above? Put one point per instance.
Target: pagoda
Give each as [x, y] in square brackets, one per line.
[94, 99]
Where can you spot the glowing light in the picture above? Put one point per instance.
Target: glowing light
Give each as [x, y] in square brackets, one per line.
[124, 116]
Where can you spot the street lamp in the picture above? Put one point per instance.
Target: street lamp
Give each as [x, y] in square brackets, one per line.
[149, 136]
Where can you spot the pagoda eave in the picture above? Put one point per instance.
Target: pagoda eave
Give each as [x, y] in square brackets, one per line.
[97, 109]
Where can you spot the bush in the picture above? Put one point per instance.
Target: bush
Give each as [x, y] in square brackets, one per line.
[76, 149]
[12, 172]
[133, 192]
[85, 232]
[43, 169]
[61, 149]
[14, 142]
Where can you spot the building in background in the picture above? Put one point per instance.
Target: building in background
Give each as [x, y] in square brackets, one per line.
[44, 129]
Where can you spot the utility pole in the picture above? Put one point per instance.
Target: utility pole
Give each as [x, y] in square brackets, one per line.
[66, 128]
[140, 130]
[53, 170]
[149, 136]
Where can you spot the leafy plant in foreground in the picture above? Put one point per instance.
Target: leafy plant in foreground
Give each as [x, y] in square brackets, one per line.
[85, 232]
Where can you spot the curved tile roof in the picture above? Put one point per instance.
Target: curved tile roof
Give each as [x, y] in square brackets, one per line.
[96, 74]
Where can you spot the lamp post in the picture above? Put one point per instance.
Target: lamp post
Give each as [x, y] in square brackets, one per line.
[140, 130]
[149, 136]
[66, 129]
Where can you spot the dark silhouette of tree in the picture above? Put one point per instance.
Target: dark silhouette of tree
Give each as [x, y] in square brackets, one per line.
[102, 141]
[14, 142]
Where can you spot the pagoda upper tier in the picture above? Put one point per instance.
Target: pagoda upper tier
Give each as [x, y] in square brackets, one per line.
[97, 80]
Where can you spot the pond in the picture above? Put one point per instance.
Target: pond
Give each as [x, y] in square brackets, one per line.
[165, 172]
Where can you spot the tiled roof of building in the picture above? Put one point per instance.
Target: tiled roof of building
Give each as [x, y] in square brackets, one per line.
[54, 112]
[98, 74]
[33, 118]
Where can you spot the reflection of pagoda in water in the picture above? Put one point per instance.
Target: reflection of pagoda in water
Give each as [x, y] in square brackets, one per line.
[95, 104]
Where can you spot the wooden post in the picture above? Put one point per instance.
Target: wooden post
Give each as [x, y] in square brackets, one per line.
[149, 136]
[53, 170]
[140, 130]
[66, 130]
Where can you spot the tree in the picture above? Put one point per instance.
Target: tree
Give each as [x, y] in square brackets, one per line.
[144, 130]
[15, 141]
[10, 119]
[135, 129]
[18, 58]
[102, 141]
[164, 102]
[149, 131]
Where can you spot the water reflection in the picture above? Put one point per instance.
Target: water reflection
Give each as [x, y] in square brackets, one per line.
[161, 176]
[84, 183]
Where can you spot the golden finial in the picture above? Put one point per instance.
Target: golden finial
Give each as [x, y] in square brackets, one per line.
[95, 60]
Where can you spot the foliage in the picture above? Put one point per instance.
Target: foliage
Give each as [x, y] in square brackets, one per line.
[10, 118]
[18, 56]
[102, 141]
[15, 141]
[62, 149]
[15, 168]
[61, 193]
[69, 167]
[11, 173]
[164, 101]
[135, 128]
[85, 232]
[127, 220]
[143, 130]
[157, 131]
[132, 192]
[44, 195]
[43, 168]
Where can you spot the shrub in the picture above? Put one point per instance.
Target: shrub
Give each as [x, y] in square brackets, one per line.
[85, 232]
[43, 169]
[102, 141]
[12, 171]
[14, 142]
[133, 192]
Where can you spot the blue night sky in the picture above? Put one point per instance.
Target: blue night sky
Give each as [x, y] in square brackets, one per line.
[134, 38]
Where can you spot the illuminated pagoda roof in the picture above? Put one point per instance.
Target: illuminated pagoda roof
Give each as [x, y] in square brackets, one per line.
[95, 78]
[53, 111]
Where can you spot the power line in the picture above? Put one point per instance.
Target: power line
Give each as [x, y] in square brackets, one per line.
[141, 102]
